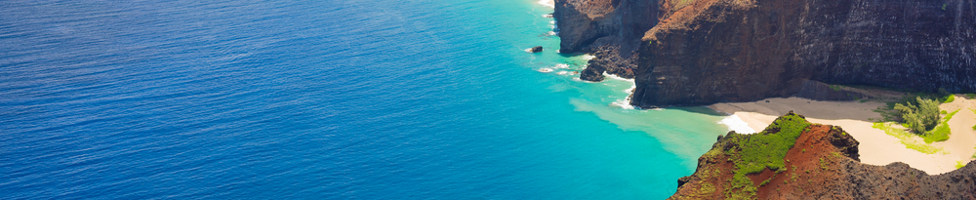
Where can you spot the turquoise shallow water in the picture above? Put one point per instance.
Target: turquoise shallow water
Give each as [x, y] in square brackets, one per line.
[327, 99]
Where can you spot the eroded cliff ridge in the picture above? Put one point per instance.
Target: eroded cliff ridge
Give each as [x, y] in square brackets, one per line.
[794, 159]
[706, 51]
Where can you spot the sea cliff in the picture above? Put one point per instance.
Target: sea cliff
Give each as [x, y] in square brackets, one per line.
[695, 52]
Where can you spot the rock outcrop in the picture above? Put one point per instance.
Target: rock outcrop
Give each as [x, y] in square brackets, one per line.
[610, 30]
[697, 52]
[535, 49]
[793, 159]
[742, 50]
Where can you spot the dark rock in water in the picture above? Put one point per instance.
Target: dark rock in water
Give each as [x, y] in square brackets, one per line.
[593, 72]
[536, 49]
[607, 58]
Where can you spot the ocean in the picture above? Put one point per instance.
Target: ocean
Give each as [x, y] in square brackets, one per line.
[368, 99]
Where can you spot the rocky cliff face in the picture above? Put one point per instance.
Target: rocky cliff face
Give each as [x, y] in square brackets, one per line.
[820, 162]
[611, 30]
[704, 51]
[708, 51]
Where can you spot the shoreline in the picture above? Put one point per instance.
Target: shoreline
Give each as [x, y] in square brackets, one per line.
[857, 118]
[547, 3]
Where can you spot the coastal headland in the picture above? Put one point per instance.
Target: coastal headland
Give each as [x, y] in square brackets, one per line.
[793, 158]
[776, 68]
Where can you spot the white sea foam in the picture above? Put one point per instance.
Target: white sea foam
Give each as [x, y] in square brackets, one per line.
[588, 57]
[563, 73]
[616, 77]
[623, 103]
[562, 66]
[548, 3]
[736, 124]
[630, 91]
[545, 70]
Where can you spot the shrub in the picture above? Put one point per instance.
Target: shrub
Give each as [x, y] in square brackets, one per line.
[949, 99]
[941, 131]
[919, 117]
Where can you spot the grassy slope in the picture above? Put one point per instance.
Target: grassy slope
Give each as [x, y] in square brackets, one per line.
[765, 150]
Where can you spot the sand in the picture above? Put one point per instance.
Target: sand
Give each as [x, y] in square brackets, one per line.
[855, 117]
[547, 3]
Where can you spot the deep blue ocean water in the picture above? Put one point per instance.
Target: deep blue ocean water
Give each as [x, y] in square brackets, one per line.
[369, 99]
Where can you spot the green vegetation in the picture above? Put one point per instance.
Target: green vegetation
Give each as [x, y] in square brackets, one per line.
[836, 155]
[706, 189]
[941, 132]
[959, 164]
[923, 117]
[823, 165]
[764, 150]
[742, 188]
[793, 175]
[974, 126]
[906, 138]
[974, 154]
[949, 99]
[767, 149]
[834, 87]
[889, 113]
[919, 117]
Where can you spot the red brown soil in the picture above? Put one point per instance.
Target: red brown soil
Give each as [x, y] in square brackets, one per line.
[823, 165]
[804, 161]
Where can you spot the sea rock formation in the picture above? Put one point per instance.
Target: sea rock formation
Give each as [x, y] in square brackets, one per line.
[793, 159]
[705, 51]
[535, 49]
[610, 30]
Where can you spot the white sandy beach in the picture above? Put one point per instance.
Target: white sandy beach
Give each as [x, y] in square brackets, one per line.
[876, 147]
[548, 3]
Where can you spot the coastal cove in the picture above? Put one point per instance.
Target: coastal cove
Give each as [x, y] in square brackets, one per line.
[472, 99]
[322, 100]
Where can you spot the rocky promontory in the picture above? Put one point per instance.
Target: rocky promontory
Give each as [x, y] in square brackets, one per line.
[794, 159]
[609, 30]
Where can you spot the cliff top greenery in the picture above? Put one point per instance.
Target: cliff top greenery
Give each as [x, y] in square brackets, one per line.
[765, 150]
